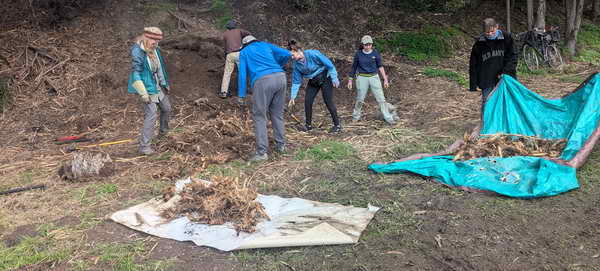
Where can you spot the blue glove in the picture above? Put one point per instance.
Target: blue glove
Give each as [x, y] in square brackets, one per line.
[336, 83]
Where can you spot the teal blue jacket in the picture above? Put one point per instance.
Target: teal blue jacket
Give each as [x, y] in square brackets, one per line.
[140, 70]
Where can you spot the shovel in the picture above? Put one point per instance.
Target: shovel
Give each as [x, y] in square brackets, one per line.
[75, 148]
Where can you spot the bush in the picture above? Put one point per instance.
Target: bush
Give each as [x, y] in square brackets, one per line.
[223, 10]
[429, 43]
[430, 5]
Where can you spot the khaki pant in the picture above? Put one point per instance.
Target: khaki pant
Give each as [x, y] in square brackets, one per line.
[231, 60]
[363, 84]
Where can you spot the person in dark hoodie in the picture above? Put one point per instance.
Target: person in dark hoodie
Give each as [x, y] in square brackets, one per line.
[232, 42]
[263, 64]
[492, 55]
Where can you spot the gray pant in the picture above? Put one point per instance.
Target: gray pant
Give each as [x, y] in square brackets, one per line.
[150, 111]
[268, 95]
[363, 83]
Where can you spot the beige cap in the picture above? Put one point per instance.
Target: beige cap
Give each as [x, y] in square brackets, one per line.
[153, 33]
[366, 39]
[248, 39]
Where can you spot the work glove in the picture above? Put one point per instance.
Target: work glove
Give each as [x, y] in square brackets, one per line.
[291, 103]
[141, 90]
[336, 83]
[145, 98]
[241, 101]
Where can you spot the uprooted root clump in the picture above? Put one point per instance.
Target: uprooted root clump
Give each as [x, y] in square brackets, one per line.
[505, 145]
[217, 202]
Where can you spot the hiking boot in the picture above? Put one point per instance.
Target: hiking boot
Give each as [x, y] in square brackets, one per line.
[306, 128]
[280, 149]
[259, 157]
[335, 129]
[223, 95]
[147, 151]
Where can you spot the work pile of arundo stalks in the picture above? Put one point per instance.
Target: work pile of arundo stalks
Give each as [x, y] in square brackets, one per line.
[222, 200]
[507, 145]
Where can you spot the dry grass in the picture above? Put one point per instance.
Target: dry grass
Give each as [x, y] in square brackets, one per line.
[504, 145]
[221, 200]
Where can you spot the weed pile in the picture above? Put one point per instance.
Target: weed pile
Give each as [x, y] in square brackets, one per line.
[222, 200]
[505, 145]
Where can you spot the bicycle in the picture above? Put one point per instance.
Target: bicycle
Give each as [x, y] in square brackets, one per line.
[540, 47]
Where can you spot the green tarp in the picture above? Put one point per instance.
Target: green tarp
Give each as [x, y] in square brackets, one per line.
[513, 109]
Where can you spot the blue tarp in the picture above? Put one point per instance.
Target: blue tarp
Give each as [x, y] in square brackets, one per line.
[513, 109]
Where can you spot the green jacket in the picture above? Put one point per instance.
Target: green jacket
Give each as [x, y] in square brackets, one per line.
[141, 71]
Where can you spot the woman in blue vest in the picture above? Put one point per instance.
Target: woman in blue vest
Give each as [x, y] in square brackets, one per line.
[322, 75]
[149, 80]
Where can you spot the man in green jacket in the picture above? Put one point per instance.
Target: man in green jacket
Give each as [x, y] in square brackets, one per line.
[149, 80]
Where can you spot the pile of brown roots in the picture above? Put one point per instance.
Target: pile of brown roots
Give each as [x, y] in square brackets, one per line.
[505, 145]
[217, 202]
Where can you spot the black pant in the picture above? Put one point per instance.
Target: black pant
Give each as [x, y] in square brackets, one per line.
[320, 81]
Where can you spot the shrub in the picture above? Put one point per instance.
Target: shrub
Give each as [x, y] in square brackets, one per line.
[430, 43]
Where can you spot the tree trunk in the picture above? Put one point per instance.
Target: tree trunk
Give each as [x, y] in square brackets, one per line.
[540, 23]
[574, 14]
[529, 14]
[508, 15]
[596, 11]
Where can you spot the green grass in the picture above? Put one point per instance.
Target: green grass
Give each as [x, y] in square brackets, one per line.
[588, 40]
[32, 251]
[121, 256]
[427, 44]
[327, 150]
[107, 188]
[569, 78]
[450, 75]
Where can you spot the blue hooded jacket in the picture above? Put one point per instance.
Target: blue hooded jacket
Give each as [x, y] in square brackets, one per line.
[258, 59]
[314, 63]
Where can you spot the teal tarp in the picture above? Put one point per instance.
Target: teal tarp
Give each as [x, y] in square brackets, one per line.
[513, 109]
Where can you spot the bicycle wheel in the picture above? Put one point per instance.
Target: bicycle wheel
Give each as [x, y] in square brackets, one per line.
[554, 58]
[530, 56]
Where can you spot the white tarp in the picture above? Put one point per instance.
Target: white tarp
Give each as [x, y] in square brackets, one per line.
[294, 222]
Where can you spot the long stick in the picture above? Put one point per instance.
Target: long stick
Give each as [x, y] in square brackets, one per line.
[21, 189]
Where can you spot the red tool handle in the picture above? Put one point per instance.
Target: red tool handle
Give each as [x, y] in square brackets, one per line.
[67, 138]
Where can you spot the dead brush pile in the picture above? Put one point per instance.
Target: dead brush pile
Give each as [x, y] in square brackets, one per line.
[505, 145]
[221, 139]
[222, 200]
